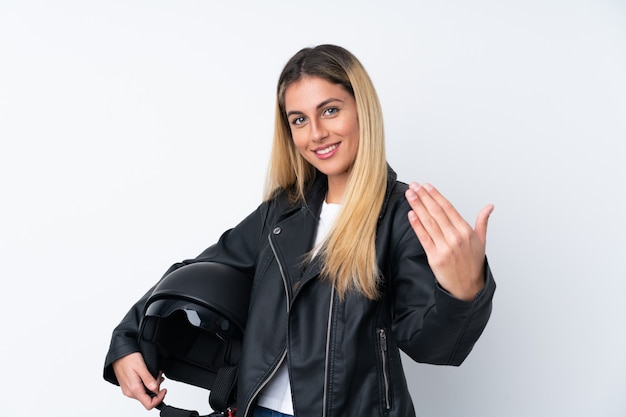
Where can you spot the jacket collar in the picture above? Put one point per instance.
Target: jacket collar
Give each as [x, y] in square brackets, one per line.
[392, 177]
[306, 215]
[317, 192]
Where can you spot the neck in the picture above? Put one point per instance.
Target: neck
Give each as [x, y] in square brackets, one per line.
[336, 188]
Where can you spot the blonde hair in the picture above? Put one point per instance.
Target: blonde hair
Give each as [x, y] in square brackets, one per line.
[349, 250]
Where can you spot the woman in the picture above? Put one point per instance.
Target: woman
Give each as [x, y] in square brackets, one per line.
[349, 264]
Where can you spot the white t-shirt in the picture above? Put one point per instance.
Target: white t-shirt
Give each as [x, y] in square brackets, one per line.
[276, 395]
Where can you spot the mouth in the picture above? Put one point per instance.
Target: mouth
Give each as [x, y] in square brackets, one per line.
[326, 150]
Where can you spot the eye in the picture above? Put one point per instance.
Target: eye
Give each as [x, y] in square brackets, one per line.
[331, 111]
[297, 121]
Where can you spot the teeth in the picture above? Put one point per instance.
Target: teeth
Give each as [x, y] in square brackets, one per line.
[325, 151]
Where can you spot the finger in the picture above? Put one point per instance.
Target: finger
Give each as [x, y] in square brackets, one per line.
[156, 399]
[136, 388]
[151, 400]
[422, 222]
[441, 208]
[148, 380]
[481, 223]
[421, 233]
[151, 395]
[429, 212]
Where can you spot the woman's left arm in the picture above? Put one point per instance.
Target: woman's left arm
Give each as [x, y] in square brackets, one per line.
[455, 250]
[442, 286]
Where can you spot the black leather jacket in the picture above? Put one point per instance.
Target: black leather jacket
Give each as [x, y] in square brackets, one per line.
[343, 356]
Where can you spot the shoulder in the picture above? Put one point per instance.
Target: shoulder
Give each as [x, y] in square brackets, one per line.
[398, 188]
[394, 193]
[395, 198]
[393, 224]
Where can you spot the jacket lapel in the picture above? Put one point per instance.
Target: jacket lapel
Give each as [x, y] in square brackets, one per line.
[294, 234]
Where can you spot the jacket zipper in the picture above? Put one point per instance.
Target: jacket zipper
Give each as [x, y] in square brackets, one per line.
[282, 274]
[327, 364]
[383, 353]
[256, 393]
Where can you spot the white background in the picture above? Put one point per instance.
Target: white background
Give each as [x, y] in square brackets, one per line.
[134, 132]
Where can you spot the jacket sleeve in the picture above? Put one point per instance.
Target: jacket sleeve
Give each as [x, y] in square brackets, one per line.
[429, 324]
[237, 247]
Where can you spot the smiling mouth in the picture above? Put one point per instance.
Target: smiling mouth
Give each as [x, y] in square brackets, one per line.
[327, 149]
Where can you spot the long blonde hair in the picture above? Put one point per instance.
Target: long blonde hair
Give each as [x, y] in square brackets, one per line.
[349, 250]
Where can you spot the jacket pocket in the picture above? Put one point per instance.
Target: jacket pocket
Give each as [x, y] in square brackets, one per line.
[386, 377]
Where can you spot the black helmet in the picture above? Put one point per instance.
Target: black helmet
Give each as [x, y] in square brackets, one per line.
[193, 326]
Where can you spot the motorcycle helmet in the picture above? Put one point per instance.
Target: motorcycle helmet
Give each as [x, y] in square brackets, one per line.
[193, 325]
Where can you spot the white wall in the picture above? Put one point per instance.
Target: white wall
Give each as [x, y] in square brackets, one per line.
[134, 132]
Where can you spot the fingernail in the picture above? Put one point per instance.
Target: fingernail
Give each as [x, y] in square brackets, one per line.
[427, 186]
[410, 194]
[415, 186]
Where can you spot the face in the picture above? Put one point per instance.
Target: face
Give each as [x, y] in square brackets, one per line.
[324, 127]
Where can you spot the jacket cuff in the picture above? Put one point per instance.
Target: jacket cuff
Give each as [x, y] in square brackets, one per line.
[444, 298]
[115, 354]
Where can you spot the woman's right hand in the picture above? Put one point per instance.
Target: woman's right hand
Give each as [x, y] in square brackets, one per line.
[134, 378]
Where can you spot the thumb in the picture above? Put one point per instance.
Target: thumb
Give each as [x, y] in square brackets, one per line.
[481, 222]
[150, 382]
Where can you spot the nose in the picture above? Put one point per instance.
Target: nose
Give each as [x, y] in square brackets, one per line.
[318, 131]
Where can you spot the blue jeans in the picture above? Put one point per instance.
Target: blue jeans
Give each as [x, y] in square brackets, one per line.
[266, 412]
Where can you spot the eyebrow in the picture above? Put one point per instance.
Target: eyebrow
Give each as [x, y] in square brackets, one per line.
[319, 106]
